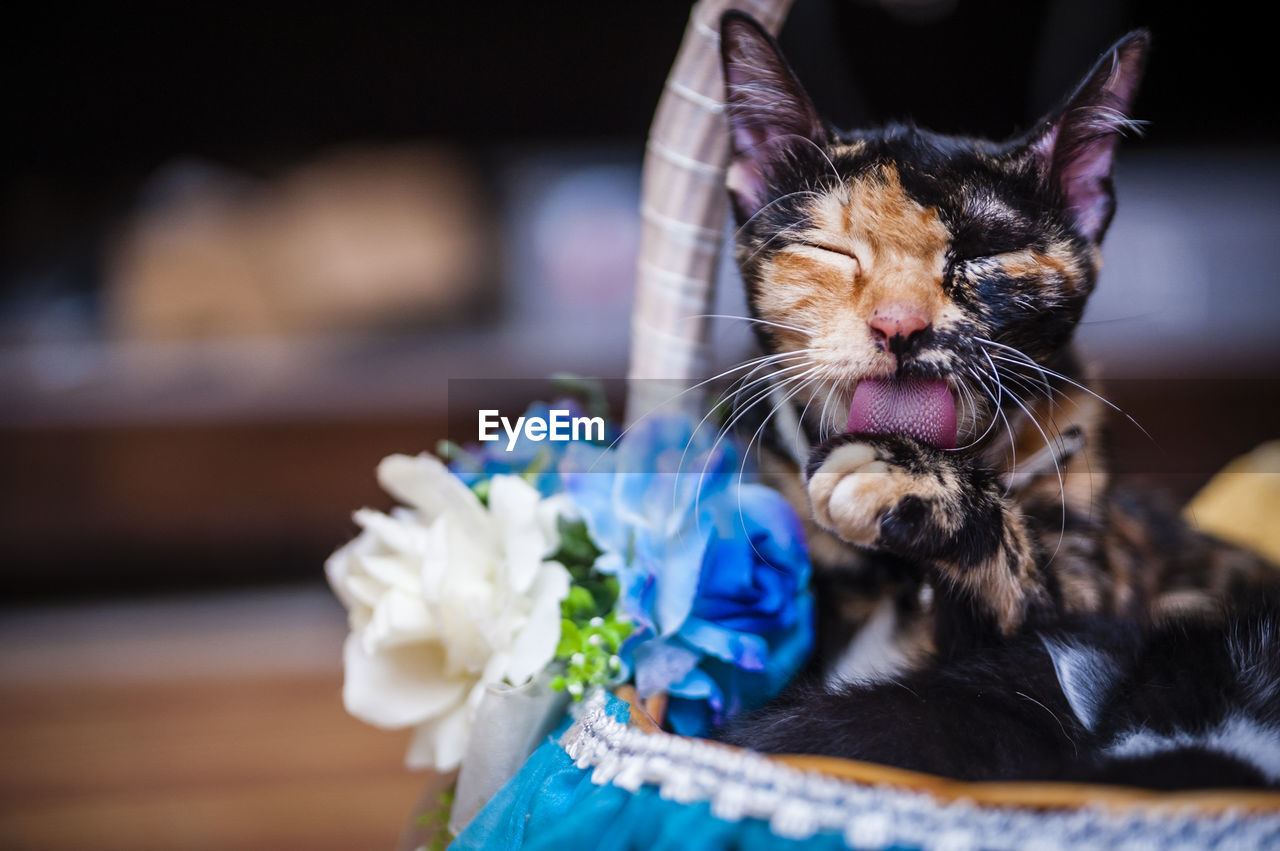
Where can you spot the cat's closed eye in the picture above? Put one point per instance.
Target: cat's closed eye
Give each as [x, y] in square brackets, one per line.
[843, 254]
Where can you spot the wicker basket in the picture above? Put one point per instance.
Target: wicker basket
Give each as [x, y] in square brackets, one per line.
[786, 799]
[684, 208]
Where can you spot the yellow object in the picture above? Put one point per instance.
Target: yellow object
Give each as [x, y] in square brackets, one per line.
[1241, 504]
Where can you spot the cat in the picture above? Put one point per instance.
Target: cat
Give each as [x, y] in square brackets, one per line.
[915, 296]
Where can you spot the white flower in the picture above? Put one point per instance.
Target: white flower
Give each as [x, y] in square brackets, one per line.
[445, 598]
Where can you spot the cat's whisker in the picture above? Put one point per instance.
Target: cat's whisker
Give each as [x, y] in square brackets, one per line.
[1053, 456]
[756, 364]
[757, 390]
[1023, 359]
[751, 363]
[804, 413]
[751, 319]
[1044, 375]
[980, 382]
[1066, 396]
[995, 397]
[973, 408]
[750, 387]
[1032, 390]
[1003, 394]
[765, 379]
[1050, 445]
[805, 385]
[770, 382]
[823, 431]
[1042, 389]
[786, 231]
[1038, 389]
[743, 382]
[786, 400]
[968, 412]
[759, 361]
[977, 409]
[728, 428]
[736, 414]
[835, 172]
[788, 196]
[773, 370]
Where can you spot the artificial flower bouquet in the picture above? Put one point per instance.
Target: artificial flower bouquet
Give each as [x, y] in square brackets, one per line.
[515, 579]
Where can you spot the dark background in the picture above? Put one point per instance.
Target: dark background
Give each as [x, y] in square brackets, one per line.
[98, 98]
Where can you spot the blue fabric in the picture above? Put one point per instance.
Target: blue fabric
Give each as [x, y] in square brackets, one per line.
[552, 805]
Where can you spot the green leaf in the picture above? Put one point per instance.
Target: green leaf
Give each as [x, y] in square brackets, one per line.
[580, 604]
[570, 640]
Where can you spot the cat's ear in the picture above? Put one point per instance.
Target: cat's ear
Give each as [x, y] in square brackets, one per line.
[769, 113]
[1074, 146]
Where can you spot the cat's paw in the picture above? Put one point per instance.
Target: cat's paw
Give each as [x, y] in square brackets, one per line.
[893, 494]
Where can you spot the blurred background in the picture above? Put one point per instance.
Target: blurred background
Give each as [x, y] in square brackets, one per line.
[245, 251]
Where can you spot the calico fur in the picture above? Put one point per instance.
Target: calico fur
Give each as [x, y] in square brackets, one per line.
[991, 250]
[1000, 609]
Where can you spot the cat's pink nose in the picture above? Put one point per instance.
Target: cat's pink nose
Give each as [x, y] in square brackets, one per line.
[893, 325]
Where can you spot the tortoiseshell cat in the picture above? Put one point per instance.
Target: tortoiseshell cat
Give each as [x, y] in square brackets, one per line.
[916, 295]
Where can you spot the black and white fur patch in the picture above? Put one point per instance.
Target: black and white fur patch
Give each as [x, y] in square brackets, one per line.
[1179, 706]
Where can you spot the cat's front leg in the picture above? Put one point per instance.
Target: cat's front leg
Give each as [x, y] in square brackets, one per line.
[898, 495]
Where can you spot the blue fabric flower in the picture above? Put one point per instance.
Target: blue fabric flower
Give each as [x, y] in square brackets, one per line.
[713, 572]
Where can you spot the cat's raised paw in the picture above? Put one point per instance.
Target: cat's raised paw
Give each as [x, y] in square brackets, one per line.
[862, 490]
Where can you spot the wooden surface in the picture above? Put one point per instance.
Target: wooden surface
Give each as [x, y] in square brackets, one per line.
[212, 722]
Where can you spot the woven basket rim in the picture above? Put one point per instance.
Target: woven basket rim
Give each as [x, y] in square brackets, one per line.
[1023, 794]
[1034, 794]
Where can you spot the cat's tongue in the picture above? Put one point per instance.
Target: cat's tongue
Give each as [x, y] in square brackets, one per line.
[917, 407]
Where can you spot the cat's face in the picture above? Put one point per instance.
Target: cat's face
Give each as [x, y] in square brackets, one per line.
[904, 261]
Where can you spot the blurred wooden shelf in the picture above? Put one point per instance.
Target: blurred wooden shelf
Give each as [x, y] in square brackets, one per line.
[91, 383]
[212, 722]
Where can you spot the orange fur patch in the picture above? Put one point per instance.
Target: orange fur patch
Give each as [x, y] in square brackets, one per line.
[900, 248]
[886, 248]
[1058, 261]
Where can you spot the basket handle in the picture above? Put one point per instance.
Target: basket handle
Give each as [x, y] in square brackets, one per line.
[683, 205]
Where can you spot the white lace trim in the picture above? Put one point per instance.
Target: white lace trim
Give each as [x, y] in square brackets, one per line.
[798, 804]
